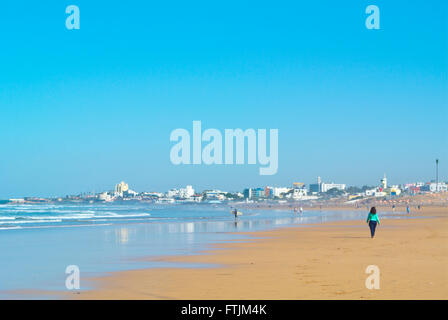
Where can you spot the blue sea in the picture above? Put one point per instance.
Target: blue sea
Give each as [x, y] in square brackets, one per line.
[38, 241]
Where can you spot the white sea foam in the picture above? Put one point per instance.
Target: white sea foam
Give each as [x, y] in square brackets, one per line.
[40, 215]
[30, 218]
[10, 228]
[32, 221]
[61, 226]
[124, 215]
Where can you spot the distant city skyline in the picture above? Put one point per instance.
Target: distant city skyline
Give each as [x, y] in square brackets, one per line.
[119, 187]
[81, 110]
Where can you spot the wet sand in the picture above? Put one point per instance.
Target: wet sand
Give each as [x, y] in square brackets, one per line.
[326, 261]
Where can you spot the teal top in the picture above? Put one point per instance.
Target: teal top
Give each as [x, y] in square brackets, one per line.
[373, 217]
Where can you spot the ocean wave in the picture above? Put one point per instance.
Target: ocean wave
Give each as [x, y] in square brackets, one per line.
[10, 228]
[32, 221]
[124, 215]
[73, 216]
[55, 219]
[37, 211]
[59, 226]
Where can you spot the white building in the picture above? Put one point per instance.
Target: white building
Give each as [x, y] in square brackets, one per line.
[374, 193]
[277, 192]
[299, 193]
[438, 187]
[121, 187]
[197, 197]
[131, 193]
[328, 186]
[184, 193]
[172, 193]
[214, 195]
[105, 196]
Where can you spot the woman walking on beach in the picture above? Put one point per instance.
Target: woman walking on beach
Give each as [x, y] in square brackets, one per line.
[372, 220]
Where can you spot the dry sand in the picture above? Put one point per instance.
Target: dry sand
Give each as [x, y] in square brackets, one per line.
[325, 261]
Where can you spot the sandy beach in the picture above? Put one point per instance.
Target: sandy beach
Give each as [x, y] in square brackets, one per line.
[326, 261]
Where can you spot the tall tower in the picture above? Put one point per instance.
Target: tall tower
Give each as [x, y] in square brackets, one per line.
[437, 175]
[384, 182]
[319, 184]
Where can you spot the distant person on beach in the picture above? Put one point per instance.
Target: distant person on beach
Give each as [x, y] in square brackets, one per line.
[373, 221]
[301, 210]
[393, 208]
[408, 210]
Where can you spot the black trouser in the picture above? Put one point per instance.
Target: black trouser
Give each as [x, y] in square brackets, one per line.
[372, 225]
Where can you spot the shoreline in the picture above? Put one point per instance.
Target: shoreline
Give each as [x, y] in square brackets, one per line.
[324, 261]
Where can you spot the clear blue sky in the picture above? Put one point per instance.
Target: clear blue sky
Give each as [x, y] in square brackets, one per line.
[84, 109]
